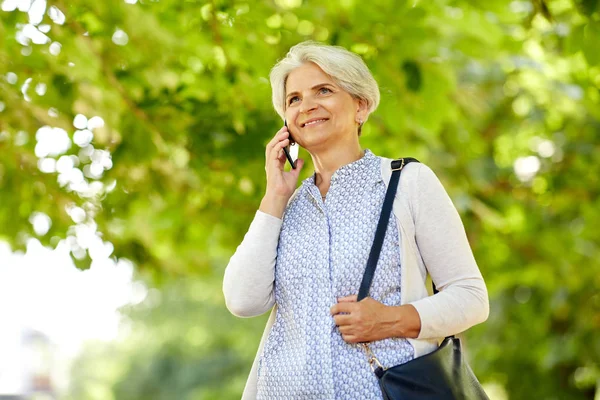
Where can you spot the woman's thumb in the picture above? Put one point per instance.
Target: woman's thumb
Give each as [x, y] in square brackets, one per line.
[299, 165]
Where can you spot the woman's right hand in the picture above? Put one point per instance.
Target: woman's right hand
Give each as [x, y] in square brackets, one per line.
[280, 183]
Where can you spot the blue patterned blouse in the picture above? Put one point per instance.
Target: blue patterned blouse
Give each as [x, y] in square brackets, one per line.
[322, 253]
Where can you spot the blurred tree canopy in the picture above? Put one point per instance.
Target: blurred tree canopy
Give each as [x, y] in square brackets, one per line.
[141, 126]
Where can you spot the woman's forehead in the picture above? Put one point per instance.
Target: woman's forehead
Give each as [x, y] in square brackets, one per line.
[306, 76]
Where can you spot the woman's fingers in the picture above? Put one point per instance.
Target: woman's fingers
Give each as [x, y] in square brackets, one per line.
[275, 153]
[299, 164]
[350, 339]
[281, 134]
[276, 158]
[278, 148]
[348, 299]
[346, 330]
[342, 319]
[280, 182]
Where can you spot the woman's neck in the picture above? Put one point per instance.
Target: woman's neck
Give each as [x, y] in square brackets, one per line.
[328, 161]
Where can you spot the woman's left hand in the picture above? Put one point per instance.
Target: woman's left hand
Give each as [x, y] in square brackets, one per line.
[358, 321]
[370, 320]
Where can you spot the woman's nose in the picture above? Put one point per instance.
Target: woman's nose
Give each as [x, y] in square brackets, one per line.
[308, 105]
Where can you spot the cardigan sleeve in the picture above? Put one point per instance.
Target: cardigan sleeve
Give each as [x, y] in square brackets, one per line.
[249, 277]
[462, 300]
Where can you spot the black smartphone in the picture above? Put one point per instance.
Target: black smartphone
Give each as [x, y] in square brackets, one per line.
[286, 149]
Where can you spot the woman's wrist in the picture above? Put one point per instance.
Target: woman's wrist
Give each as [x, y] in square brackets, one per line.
[273, 205]
[402, 321]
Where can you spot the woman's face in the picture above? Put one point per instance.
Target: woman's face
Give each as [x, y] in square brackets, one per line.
[319, 112]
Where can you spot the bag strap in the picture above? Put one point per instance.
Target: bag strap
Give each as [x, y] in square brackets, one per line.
[365, 286]
[384, 218]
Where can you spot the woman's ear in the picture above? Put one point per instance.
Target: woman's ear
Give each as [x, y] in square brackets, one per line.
[361, 111]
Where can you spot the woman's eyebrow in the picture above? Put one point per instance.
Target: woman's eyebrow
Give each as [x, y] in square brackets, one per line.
[312, 88]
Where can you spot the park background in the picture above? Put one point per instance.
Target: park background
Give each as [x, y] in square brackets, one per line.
[132, 139]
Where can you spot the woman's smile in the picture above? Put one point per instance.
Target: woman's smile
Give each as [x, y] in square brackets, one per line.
[313, 122]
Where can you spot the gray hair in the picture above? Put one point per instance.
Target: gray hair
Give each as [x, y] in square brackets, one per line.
[347, 69]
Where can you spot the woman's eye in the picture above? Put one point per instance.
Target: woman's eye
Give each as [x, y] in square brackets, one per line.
[293, 99]
[325, 90]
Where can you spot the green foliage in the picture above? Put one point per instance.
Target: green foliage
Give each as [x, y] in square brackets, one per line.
[477, 90]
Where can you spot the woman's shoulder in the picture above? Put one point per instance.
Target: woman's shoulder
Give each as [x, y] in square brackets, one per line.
[410, 172]
[416, 180]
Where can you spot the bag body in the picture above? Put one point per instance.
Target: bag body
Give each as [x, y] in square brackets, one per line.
[441, 375]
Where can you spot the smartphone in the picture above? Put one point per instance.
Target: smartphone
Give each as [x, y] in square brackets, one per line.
[286, 149]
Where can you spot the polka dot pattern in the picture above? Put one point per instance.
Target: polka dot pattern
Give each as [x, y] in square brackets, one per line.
[322, 254]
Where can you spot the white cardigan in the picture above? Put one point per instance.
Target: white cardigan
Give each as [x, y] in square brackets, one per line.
[431, 235]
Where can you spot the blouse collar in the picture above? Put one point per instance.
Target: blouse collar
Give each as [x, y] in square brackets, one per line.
[368, 166]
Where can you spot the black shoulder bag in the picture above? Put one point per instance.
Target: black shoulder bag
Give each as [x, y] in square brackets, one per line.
[441, 375]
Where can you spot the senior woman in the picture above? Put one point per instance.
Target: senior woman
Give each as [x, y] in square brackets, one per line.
[306, 249]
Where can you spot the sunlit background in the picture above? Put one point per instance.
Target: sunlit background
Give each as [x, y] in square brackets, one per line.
[132, 137]
[48, 308]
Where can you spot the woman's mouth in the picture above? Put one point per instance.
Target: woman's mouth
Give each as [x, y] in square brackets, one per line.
[313, 122]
